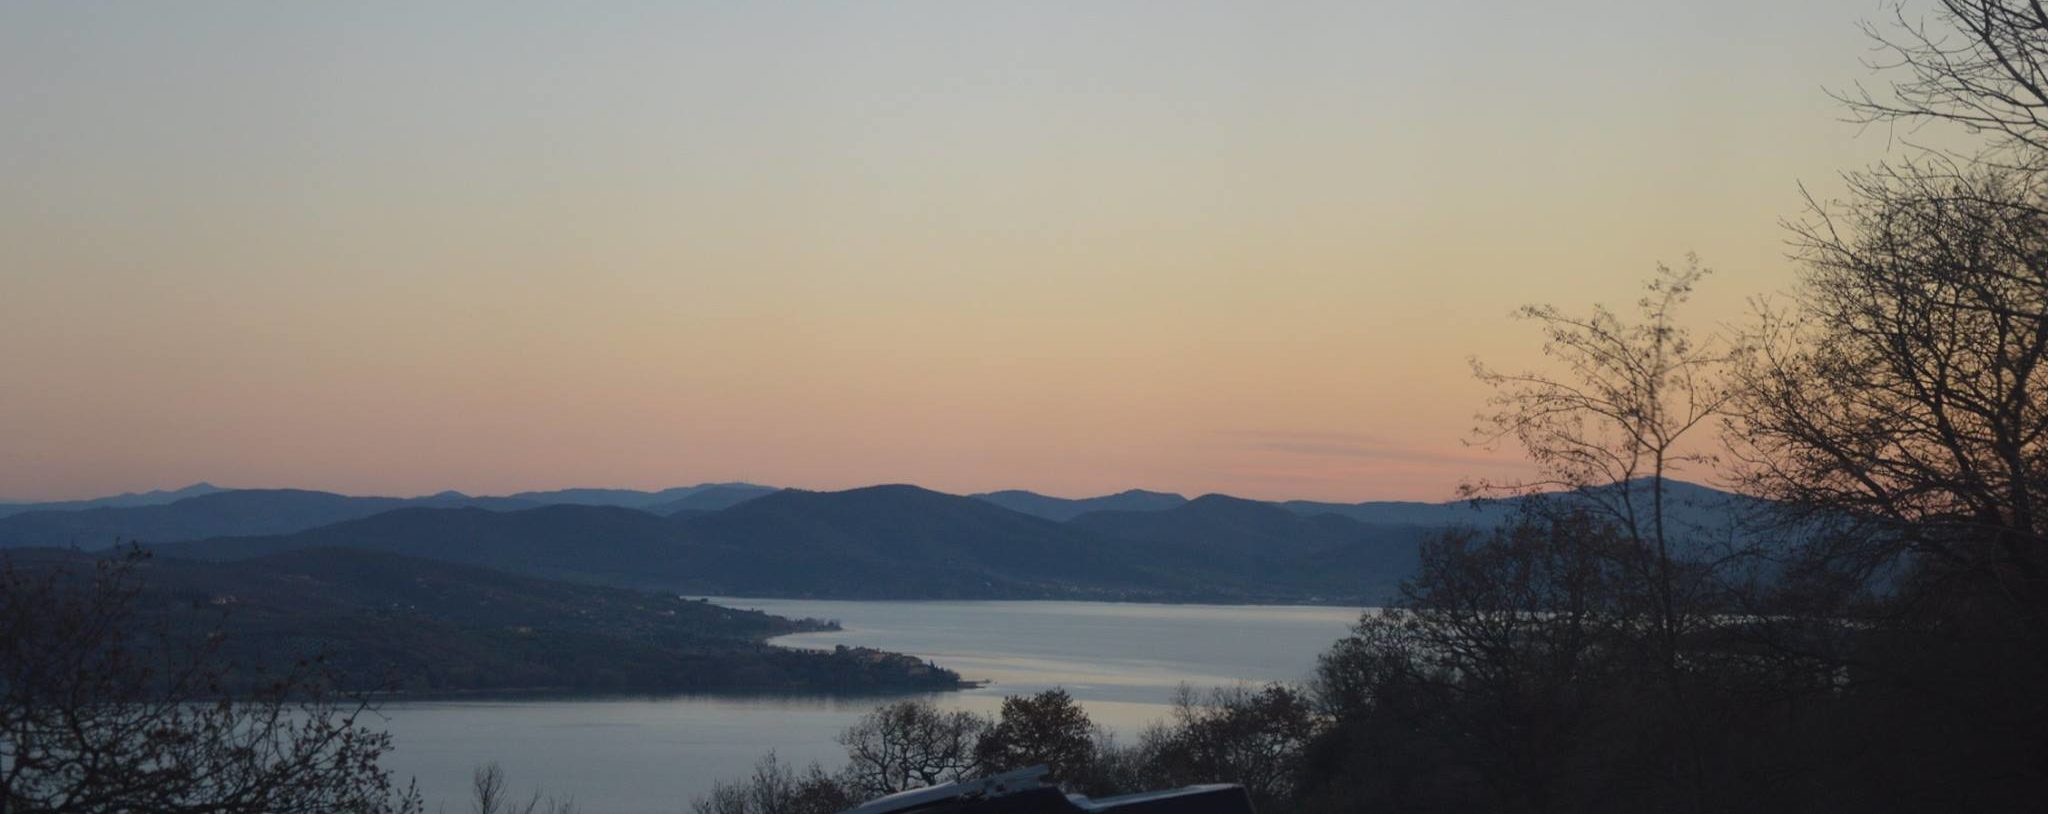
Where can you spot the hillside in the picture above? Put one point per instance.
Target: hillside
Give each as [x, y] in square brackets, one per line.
[903, 541]
[877, 542]
[884, 542]
[1064, 509]
[236, 512]
[246, 511]
[1689, 504]
[1245, 549]
[436, 627]
[712, 499]
[1412, 513]
[635, 498]
[204, 511]
[154, 497]
[596, 544]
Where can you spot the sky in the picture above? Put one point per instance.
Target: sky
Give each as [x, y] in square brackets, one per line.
[395, 248]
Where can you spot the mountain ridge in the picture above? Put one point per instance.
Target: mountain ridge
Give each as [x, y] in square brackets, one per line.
[893, 541]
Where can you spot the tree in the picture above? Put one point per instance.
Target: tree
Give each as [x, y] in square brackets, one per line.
[778, 788]
[1981, 64]
[99, 713]
[1609, 431]
[1496, 681]
[1899, 410]
[1048, 729]
[489, 795]
[1904, 399]
[1253, 737]
[910, 744]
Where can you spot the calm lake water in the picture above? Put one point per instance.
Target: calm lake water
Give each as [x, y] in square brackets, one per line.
[634, 755]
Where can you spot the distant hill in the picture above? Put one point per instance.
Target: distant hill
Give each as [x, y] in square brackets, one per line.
[440, 627]
[1689, 503]
[879, 542]
[595, 544]
[712, 499]
[1260, 550]
[217, 514]
[1064, 509]
[904, 541]
[1457, 513]
[155, 497]
[633, 498]
[204, 511]
[1704, 523]
[885, 542]
[908, 542]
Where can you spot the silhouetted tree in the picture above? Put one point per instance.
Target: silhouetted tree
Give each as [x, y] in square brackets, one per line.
[489, 795]
[1610, 427]
[1898, 410]
[1907, 391]
[1495, 682]
[775, 787]
[1048, 729]
[1982, 64]
[910, 744]
[1251, 736]
[99, 713]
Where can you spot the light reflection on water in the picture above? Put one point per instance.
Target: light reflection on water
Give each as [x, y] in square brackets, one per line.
[641, 754]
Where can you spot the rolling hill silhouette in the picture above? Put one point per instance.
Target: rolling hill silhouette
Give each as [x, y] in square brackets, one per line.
[1063, 509]
[1264, 549]
[235, 512]
[893, 541]
[442, 627]
[154, 497]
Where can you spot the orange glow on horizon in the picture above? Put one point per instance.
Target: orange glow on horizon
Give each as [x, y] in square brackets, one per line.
[1074, 248]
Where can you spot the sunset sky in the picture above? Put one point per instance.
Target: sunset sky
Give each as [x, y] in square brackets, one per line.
[1069, 247]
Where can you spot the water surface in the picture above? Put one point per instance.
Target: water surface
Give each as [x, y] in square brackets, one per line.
[636, 754]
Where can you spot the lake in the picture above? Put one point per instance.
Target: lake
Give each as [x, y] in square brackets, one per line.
[654, 754]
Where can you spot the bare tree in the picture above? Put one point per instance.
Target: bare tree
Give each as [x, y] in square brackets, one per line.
[487, 789]
[1611, 427]
[776, 787]
[1905, 393]
[910, 744]
[1981, 64]
[489, 795]
[1255, 737]
[100, 713]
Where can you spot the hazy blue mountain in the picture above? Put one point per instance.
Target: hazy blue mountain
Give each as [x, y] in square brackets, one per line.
[877, 542]
[713, 499]
[1221, 520]
[439, 627]
[1252, 549]
[234, 512]
[600, 544]
[905, 541]
[1454, 513]
[886, 541]
[1690, 504]
[629, 498]
[154, 497]
[1064, 509]
[1701, 521]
